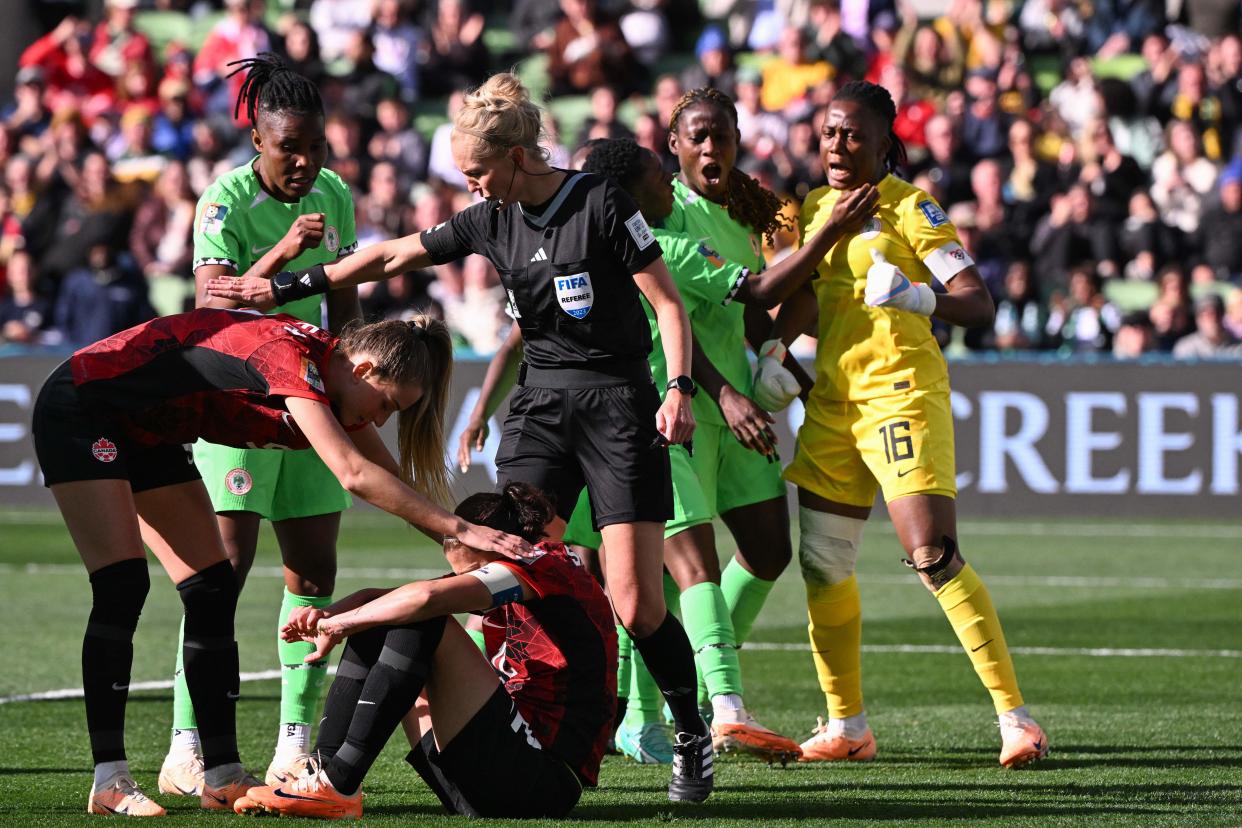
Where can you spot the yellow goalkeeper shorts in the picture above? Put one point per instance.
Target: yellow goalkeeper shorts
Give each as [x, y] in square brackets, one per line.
[901, 445]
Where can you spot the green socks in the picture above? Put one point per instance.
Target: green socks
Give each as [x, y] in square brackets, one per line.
[300, 682]
[706, 618]
[745, 594]
[183, 708]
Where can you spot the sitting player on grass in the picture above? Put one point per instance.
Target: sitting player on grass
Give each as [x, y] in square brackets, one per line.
[539, 714]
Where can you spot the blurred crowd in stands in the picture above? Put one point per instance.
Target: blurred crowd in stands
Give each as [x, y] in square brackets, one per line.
[1090, 153]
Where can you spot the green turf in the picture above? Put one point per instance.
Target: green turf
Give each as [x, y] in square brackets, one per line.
[1136, 740]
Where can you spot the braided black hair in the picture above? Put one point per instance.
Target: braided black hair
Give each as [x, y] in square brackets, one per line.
[619, 159]
[271, 86]
[749, 202]
[875, 99]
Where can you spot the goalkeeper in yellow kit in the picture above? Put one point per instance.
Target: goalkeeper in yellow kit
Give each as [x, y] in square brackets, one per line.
[879, 418]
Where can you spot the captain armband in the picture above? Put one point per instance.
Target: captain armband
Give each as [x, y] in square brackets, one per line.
[500, 581]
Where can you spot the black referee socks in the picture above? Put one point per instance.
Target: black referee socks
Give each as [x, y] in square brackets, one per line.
[118, 592]
[670, 660]
[210, 658]
[395, 662]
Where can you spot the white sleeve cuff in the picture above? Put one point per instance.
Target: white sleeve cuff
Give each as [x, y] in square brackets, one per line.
[947, 261]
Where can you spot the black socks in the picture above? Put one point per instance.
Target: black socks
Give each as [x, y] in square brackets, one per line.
[118, 592]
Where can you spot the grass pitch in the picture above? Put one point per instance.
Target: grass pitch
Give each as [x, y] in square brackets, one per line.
[1127, 640]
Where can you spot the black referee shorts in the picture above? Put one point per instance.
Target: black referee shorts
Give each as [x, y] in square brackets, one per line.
[74, 443]
[603, 437]
[490, 769]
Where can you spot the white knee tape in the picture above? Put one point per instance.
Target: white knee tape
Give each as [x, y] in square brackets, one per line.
[828, 546]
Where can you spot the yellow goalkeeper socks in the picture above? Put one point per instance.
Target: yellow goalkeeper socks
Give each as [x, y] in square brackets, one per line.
[968, 607]
[835, 627]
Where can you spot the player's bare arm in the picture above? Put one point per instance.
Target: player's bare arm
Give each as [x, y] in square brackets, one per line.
[771, 287]
[674, 419]
[500, 376]
[967, 302]
[749, 423]
[372, 483]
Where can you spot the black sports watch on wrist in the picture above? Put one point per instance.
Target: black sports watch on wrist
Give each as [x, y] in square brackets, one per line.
[282, 284]
[683, 384]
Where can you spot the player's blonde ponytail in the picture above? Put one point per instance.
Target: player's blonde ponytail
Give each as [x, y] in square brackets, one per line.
[500, 115]
[418, 351]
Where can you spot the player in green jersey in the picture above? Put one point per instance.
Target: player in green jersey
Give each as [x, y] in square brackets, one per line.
[281, 209]
[704, 280]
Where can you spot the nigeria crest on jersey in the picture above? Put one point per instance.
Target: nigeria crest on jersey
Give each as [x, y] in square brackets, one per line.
[573, 292]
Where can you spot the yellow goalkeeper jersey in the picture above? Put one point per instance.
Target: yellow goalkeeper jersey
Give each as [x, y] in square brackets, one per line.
[869, 352]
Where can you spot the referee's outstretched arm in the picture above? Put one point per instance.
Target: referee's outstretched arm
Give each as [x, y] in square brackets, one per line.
[371, 264]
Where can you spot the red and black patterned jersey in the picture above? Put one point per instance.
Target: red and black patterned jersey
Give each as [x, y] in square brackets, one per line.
[557, 655]
[222, 375]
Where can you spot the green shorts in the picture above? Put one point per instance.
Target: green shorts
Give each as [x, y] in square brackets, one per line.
[690, 504]
[732, 475]
[274, 483]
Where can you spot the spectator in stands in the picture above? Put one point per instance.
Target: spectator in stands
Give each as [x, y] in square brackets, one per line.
[1135, 336]
[440, 164]
[1220, 231]
[1227, 83]
[603, 121]
[646, 30]
[1074, 98]
[1145, 242]
[73, 82]
[117, 44]
[100, 298]
[534, 22]
[398, 143]
[1233, 313]
[945, 164]
[1211, 338]
[715, 63]
[1051, 27]
[558, 153]
[241, 33]
[827, 41]
[382, 213]
[301, 52]
[756, 126]
[1170, 322]
[1135, 133]
[335, 21]
[935, 64]
[1111, 176]
[23, 313]
[26, 118]
[1019, 324]
[589, 50]
[666, 92]
[456, 56]
[172, 130]
[1191, 100]
[161, 238]
[74, 215]
[19, 180]
[1084, 321]
[1116, 26]
[985, 129]
[791, 75]
[1151, 84]
[991, 215]
[1029, 182]
[345, 155]
[1071, 234]
[1182, 178]
[910, 125]
[398, 44]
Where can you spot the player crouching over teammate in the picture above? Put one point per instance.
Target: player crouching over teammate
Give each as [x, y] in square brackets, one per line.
[538, 715]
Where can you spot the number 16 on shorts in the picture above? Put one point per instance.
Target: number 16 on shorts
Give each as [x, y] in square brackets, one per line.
[898, 446]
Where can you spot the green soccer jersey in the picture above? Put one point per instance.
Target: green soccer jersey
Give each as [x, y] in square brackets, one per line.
[237, 222]
[718, 325]
[705, 282]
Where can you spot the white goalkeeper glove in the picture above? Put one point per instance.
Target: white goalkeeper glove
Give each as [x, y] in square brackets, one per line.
[775, 386]
[888, 287]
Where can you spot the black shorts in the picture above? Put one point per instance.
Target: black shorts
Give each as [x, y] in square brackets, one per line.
[491, 769]
[74, 443]
[603, 437]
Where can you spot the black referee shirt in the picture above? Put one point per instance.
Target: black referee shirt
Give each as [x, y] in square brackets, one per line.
[568, 270]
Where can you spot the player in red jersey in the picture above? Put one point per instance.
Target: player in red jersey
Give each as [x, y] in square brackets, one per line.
[516, 738]
[110, 428]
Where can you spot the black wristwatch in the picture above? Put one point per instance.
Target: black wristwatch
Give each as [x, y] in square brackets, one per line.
[288, 286]
[683, 384]
[282, 285]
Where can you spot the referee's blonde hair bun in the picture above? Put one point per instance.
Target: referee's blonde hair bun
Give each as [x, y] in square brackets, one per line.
[500, 115]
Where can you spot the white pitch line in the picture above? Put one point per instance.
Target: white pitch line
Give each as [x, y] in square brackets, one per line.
[903, 649]
[398, 573]
[163, 684]
[948, 649]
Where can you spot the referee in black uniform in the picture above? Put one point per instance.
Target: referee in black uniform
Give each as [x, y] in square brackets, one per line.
[573, 253]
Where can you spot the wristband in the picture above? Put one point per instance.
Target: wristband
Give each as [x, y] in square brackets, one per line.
[288, 286]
